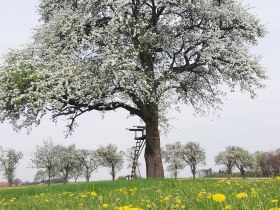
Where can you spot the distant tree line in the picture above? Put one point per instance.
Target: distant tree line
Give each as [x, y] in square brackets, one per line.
[65, 162]
[58, 163]
[258, 164]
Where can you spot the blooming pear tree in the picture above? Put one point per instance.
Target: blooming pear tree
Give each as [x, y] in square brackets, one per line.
[226, 158]
[235, 156]
[244, 160]
[67, 160]
[171, 153]
[77, 171]
[89, 161]
[8, 161]
[193, 155]
[139, 55]
[45, 158]
[111, 158]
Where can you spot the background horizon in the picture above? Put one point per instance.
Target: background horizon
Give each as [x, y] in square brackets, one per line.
[251, 124]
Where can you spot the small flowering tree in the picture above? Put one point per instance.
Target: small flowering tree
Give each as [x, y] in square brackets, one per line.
[67, 160]
[227, 158]
[244, 160]
[8, 161]
[171, 153]
[89, 161]
[193, 155]
[110, 157]
[140, 55]
[77, 171]
[45, 157]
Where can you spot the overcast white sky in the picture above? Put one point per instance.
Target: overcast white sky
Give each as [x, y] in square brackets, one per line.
[252, 124]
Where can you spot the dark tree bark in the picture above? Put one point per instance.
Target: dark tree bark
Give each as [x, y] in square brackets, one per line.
[49, 176]
[10, 180]
[113, 173]
[229, 171]
[154, 166]
[193, 169]
[242, 171]
[87, 175]
[176, 172]
[66, 175]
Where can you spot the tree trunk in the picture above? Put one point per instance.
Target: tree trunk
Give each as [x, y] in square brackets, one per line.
[193, 172]
[65, 180]
[49, 176]
[113, 173]
[242, 173]
[87, 175]
[10, 180]
[229, 171]
[154, 167]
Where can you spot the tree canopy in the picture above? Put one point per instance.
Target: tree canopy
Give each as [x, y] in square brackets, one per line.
[139, 55]
[9, 159]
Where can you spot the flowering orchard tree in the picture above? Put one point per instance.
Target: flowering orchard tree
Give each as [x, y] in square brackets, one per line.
[244, 160]
[67, 160]
[172, 154]
[139, 55]
[193, 155]
[9, 159]
[236, 156]
[89, 160]
[111, 158]
[45, 157]
[226, 158]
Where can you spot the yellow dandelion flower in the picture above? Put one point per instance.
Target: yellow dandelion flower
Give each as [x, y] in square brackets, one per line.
[149, 206]
[242, 195]
[227, 207]
[177, 200]
[93, 194]
[274, 209]
[46, 200]
[274, 201]
[254, 191]
[209, 195]
[12, 199]
[166, 198]
[105, 205]
[219, 197]
[80, 204]
[124, 208]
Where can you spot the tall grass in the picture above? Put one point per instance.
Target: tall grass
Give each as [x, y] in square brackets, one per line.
[160, 194]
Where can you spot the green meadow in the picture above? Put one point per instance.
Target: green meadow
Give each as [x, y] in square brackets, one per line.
[163, 194]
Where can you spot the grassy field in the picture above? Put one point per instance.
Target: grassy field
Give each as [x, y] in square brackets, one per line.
[201, 194]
